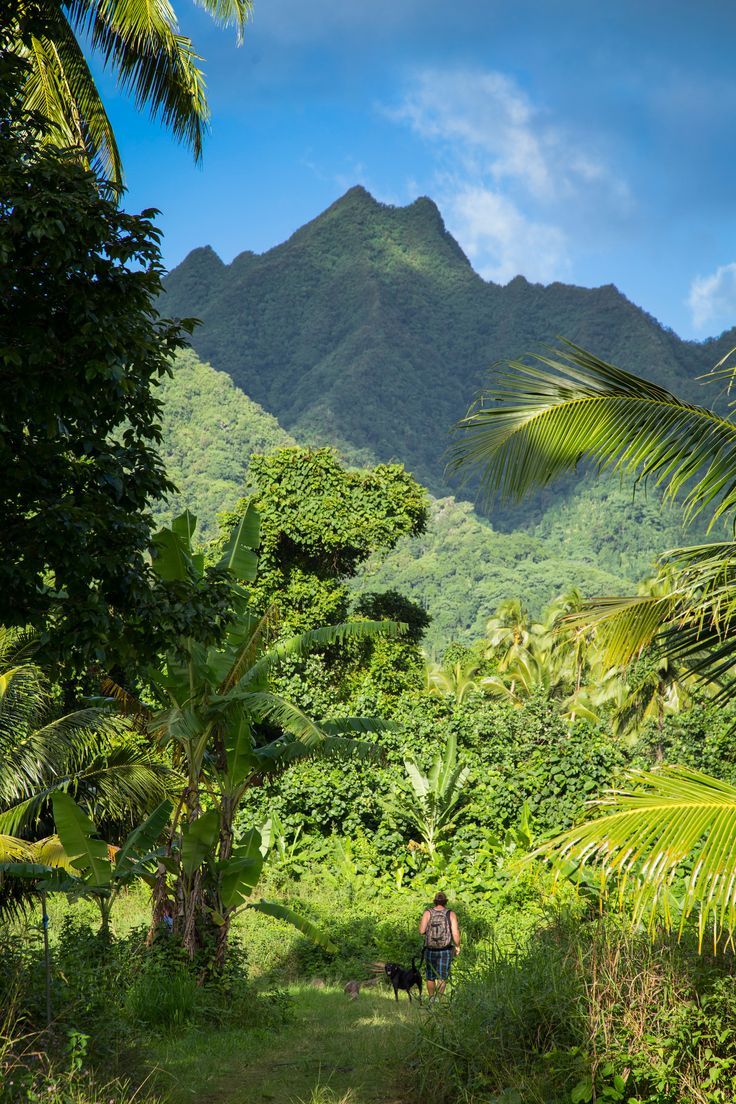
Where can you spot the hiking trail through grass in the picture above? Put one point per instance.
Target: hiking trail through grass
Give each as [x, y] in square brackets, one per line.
[356, 1049]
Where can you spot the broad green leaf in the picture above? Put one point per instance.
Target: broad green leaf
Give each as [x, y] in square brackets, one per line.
[419, 781]
[142, 839]
[239, 748]
[75, 830]
[198, 840]
[281, 912]
[250, 843]
[341, 726]
[170, 559]
[279, 755]
[239, 875]
[184, 526]
[238, 555]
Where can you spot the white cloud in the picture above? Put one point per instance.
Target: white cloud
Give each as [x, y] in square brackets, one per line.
[516, 188]
[501, 241]
[487, 120]
[713, 298]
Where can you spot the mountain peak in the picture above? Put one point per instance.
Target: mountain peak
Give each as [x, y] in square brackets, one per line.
[357, 196]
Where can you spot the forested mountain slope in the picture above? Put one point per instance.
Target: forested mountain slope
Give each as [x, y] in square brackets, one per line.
[210, 431]
[600, 538]
[368, 329]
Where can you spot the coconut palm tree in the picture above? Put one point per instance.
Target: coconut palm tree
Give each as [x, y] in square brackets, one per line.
[140, 42]
[543, 417]
[509, 627]
[92, 754]
[457, 680]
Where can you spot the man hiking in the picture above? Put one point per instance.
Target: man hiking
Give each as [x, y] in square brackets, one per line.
[441, 942]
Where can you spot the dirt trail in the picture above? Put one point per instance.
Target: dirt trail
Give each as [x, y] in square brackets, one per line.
[356, 1049]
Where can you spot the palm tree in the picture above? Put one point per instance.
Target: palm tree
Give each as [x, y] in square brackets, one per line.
[457, 680]
[529, 669]
[90, 753]
[547, 415]
[509, 627]
[140, 42]
[93, 754]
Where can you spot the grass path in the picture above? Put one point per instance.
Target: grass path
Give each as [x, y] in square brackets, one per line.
[353, 1049]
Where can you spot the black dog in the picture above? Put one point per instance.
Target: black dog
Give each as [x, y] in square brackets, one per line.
[404, 979]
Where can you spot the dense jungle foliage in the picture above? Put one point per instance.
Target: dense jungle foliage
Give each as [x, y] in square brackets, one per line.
[240, 755]
[602, 537]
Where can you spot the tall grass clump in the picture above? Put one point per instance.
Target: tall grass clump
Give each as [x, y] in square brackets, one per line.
[582, 1012]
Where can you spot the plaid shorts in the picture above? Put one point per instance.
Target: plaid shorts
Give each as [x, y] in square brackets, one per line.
[438, 963]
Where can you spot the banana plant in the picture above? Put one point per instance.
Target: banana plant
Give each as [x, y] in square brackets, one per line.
[217, 712]
[80, 864]
[434, 799]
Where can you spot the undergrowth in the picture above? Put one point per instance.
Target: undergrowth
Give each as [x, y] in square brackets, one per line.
[582, 1012]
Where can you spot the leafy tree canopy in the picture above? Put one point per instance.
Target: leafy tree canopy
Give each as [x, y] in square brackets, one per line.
[82, 350]
[319, 522]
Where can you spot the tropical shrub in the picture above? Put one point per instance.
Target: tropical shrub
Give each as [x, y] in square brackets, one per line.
[581, 1012]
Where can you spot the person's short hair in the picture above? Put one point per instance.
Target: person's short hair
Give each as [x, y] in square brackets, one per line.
[440, 898]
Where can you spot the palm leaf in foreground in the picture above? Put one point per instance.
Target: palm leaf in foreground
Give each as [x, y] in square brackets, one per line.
[676, 821]
[542, 418]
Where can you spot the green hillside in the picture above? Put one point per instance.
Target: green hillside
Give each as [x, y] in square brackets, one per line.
[368, 329]
[599, 537]
[210, 431]
[461, 569]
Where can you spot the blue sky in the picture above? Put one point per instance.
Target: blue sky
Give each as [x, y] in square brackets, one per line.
[566, 141]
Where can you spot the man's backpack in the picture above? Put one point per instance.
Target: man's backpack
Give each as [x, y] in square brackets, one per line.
[438, 935]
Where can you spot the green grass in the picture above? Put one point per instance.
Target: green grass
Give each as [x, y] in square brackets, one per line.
[333, 1049]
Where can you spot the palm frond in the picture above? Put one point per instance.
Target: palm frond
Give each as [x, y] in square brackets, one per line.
[555, 410]
[675, 822]
[140, 41]
[693, 623]
[229, 13]
[625, 625]
[121, 783]
[13, 849]
[127, 704]
[324, 637]
[61, 87]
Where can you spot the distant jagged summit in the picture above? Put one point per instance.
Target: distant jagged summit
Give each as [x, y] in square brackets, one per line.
[370, 330]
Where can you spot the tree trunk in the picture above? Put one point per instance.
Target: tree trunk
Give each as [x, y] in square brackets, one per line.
[221, 942]
[189, 891]
[193, 908]
[228, 808]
